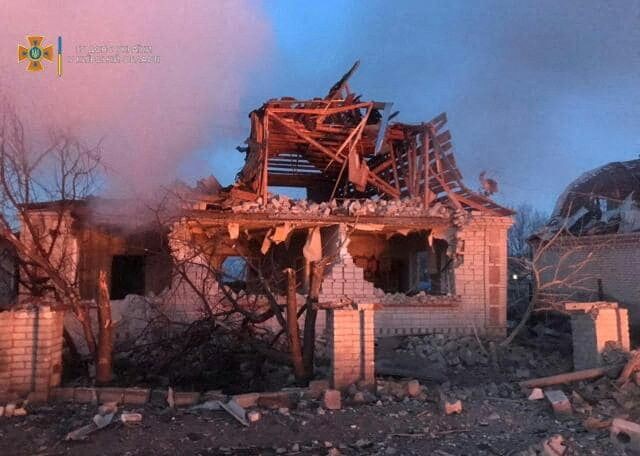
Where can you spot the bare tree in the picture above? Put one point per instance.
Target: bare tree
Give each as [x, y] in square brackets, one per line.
[526, 222]
[559, 269]
[252, 312]
[260, 308]
[8, 282]
[41, 183]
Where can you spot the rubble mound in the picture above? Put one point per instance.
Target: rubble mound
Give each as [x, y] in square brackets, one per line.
[455, 352]
[407, 207]
[419, 299]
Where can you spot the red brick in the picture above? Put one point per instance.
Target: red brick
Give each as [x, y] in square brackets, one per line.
[85, 395]
[495, 276]
[136, 396]
[111, 395]
[186, 399]
[332, 400]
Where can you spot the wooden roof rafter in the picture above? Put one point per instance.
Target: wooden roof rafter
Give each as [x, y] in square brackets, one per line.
[345, 145]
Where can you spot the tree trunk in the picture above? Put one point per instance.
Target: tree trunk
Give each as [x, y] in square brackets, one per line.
[309, 347]
[292, 326]
[83, 316]
[523, 321]
[105, 333]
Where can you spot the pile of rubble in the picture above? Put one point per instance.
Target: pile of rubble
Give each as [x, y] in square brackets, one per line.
[422, 298]
[13, 409]
[408, 207]
[450, 351]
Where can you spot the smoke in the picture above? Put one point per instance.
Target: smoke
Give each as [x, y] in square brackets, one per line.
[150, 116]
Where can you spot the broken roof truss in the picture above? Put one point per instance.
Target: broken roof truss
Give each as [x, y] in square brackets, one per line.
[341, 147]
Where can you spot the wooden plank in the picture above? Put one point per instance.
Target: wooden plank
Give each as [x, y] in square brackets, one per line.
[289, 180]
[569, 377]
[439, 121]
[319, 111]
[427, 194]
[264, 188]
[243, 195]
[307, 138]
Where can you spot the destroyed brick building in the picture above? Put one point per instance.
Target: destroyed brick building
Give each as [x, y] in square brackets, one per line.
[386, 207]
[596, 222]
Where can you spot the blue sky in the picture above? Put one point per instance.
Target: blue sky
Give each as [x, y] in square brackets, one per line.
[536, 92]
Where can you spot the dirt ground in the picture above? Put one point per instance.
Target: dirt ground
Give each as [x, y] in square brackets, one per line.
[489, 426]
[497, 418]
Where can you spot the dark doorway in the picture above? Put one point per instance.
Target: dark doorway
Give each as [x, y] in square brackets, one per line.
[127, 276]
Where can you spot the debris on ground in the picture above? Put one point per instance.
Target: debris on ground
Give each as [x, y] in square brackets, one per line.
[131, 418]
[488, 413]
[253, 416]
[554, 446]
[208, 405]
[171, 398]
[9, 409]
[626, 435]
[451, 407]
[332, 400]
[102, 419]
[559, 402]
[236, 411]
[536, 394]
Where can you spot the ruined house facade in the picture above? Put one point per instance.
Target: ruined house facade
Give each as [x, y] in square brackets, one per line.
[386, 212]
[596, 223]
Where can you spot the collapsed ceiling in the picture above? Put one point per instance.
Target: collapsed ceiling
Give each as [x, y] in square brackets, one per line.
[342, 147]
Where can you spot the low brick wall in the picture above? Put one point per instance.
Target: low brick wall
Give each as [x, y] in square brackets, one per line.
[408, 320]
[30, 351]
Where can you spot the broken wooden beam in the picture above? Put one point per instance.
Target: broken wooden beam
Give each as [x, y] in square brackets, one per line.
[569, 377]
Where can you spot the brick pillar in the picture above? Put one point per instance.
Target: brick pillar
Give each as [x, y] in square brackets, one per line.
[496, 291]
[351, 345]
[593, 325]
[481, 278]
[30, 351]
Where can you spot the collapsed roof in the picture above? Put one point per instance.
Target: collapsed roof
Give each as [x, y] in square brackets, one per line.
[342, 147]
[600, 201]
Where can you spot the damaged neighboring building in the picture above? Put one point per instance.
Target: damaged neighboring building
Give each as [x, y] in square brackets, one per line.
[386, 208]
[95, 235]
[596, 223]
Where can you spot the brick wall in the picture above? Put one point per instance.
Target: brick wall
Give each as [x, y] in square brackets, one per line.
[30, 351]
[351, 345]
[344, 278]
[615, 259]
[480, 282]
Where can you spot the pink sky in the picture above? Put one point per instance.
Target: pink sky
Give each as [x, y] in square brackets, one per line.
[150, 115]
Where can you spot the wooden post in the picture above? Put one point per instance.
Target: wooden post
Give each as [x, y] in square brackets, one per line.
[411, 161]
[292, 326]
[264, 188]
[428, 194]
[105, 332]
[317, 272]
[394, 166]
